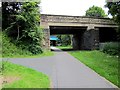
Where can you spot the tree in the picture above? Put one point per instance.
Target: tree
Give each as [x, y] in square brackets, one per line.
[9, 9]
[24, 24]
[114, 10]
[0, 18]
[95, 11]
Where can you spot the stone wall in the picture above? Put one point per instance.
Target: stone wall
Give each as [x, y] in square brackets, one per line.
[76, 19]
[87, 40]
[90, 39]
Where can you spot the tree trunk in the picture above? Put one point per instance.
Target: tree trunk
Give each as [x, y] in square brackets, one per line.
[18, 33]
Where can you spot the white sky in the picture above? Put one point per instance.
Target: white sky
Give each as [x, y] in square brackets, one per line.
[69, 7]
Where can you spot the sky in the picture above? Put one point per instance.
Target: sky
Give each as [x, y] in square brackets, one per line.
[70, 7]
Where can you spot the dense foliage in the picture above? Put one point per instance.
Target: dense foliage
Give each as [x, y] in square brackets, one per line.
[9, 49]
[114, 10]
[21, 21]
[9, 9]
[111, 48]
[95, 11]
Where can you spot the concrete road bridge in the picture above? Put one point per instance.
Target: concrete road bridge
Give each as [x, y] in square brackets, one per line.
[87, 32]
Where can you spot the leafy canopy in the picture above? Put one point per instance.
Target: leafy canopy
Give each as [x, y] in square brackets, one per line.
[114, 10]
[95, 11]
[21, 20]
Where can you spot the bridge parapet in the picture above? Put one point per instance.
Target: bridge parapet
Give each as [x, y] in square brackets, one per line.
[76, 19]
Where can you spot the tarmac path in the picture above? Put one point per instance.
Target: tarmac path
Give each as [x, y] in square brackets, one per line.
[65, 71]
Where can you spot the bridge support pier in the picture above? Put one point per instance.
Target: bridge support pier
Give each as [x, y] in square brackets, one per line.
[46, 39]
[88, 40]
[76, 41]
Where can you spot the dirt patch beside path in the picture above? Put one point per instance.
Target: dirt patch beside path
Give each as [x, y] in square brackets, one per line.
[10, 79]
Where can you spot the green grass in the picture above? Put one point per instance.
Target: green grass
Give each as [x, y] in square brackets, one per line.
[9, 50]
[103, 64]
[26, 77]
[64, 47]
[44, 54]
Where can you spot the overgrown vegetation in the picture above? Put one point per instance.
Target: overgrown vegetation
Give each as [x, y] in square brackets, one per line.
[112, 48]
[16, 76]
[114, 10]
[104, 64]
[11, 50]
[21, 23]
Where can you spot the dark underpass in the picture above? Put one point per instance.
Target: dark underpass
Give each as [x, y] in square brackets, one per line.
[107, 35]
[84, 39]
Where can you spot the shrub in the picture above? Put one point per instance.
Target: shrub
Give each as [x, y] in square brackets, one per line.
[9, 49]
[111, 48]
[35, 49]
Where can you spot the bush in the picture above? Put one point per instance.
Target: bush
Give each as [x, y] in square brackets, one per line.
[9, 49]
[111, 48]
[35, 49]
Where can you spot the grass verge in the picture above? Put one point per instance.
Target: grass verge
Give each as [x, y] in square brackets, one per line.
[16, 76]
[104, 64]
[44, 54]
[64, 47]
[1, 74]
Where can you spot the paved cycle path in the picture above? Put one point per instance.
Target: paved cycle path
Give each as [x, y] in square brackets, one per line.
[65, 71]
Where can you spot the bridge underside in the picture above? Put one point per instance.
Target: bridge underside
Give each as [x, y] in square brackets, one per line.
[107, 34]
[84, 39]
[66, 29]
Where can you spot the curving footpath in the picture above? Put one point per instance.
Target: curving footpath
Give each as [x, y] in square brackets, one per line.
[65, 71]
